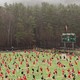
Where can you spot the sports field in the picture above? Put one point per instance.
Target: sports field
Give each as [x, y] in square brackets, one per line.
[34, 65]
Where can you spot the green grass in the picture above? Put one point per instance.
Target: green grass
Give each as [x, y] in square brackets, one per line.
[5, 56]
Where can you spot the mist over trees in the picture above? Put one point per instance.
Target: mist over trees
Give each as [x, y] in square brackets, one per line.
[39, 26]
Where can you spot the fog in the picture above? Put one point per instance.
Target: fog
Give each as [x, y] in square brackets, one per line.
[33, 2]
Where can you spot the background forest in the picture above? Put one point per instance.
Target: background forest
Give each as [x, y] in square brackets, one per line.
[40, 25]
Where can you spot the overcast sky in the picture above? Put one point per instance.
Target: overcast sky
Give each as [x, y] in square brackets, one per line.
[39, 1]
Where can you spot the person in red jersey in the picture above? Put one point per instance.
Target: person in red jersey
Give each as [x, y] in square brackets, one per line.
[72, 54]
[24, 51]
[63, 71]
[78, 72]
[59, 64]
[34, 63]
[13, 72]
[50, 63]
[73, 70]
[16, 66]
[26, 61]
[24, 77]
[8, 71]
[47, 69]
[1, 74]
[21, 63]
[21, 78]
[41, 69]
[49, 75]
[36, 60]
[68, 70]
[2, 61]
[69, 76]
[62, 65]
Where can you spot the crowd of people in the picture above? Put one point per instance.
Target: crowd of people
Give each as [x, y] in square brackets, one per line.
[35, 65]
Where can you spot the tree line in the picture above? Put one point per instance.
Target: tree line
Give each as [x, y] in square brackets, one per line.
[37, 26]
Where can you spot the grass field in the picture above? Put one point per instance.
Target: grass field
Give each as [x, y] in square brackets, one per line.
[16, 65]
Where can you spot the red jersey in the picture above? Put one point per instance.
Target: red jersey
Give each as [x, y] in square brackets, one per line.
[1, 75]
[78, 72]
[21, 79]
[13, 71]
[49, 75]
[8, 71]
[73, 70]
[69, 76]
[41, 69]
[24, 77]
[63, 72]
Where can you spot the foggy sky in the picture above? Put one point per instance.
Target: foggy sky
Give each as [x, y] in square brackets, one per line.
[31, 2]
